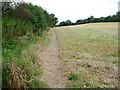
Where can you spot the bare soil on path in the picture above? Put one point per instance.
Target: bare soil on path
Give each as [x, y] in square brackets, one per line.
[52, 66]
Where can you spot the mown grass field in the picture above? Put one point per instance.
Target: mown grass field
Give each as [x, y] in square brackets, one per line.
[90, 53]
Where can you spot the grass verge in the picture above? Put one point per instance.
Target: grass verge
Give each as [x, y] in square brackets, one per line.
[20, 66]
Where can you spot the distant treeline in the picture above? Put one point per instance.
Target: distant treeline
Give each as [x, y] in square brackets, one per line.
[91, 19]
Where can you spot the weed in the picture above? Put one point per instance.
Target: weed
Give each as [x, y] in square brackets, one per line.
[73, 76]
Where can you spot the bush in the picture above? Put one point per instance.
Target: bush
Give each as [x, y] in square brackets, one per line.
[14, 28]
[21, 24]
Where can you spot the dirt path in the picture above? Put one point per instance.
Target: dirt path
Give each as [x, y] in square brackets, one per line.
[51, 65]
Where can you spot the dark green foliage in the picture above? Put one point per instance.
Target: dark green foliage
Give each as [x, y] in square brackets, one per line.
[91, 19]
[14, 28]
[38, 19]
[6, 72]
[6, 8]
[27, 14]
[66, 23]
[54, 20]
[73, 76]
[62, 23]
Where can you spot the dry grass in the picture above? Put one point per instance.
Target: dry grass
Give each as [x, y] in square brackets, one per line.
[15, 81]
[93, 47]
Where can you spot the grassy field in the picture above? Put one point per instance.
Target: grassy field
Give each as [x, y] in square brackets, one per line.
[90, 53]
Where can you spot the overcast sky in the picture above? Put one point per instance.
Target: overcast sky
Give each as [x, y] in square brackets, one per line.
[78, 9]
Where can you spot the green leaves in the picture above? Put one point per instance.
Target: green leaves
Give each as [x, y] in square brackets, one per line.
[25, 15]
[13, 28]
[40, 19]
[21, 23]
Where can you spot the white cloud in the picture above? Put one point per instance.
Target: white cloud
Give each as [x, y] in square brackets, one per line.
[78, 9]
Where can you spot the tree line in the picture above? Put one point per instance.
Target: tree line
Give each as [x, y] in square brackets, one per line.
[92, 19]
[38, 19]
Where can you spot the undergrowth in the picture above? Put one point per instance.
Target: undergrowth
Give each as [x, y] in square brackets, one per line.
[24, 30]
[20, 67]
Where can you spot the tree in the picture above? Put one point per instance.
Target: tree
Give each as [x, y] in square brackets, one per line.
[68, 22]
[80, 22]
[6, 8]
[54, 20]
[62, 23]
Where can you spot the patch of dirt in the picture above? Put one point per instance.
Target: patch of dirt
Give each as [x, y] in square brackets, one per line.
[52, 66]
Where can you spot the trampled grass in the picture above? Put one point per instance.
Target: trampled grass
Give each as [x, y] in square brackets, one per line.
[93, 48]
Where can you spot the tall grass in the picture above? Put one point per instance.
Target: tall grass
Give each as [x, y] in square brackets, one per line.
[20, 66]
[24, 28]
